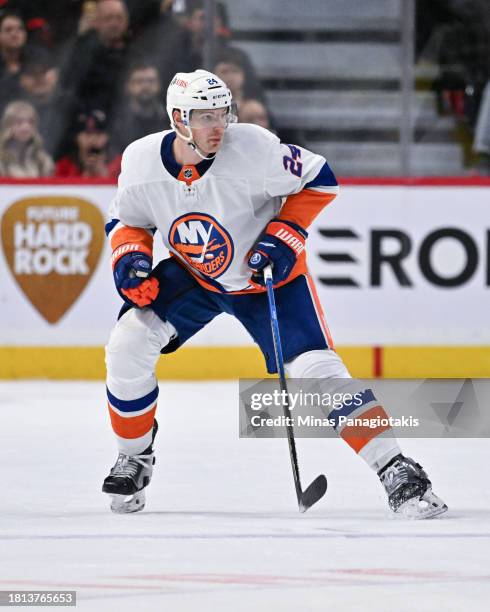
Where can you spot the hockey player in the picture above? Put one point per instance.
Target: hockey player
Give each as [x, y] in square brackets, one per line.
[228, 199]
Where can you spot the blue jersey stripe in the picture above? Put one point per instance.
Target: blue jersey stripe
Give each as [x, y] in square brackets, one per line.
[325, 178]
[133, 405]
[110, 226]
[113, 222]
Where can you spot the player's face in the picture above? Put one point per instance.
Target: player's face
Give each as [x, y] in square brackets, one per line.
[208, 128]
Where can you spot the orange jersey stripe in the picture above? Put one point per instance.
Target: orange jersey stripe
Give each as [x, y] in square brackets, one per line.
[303, 207]
[358, 436]
[132, 427]
[133, 235]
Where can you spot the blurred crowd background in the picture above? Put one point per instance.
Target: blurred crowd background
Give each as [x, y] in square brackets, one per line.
[384, 87]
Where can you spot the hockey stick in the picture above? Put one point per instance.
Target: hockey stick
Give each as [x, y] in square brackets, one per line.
[318, 487]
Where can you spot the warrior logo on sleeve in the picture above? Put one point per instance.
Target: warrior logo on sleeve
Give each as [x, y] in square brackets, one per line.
[202, 242]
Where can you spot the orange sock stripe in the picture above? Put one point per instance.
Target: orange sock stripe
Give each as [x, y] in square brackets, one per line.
[132, 427]
[358, 436]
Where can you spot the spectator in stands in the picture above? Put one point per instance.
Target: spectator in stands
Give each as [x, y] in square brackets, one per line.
[48, 23]
[38, 84]
[142, 111]
[194, 21]
[39, 77]
[21, 147]
[253, 111]
[464, 59]
[90, 156]
[481, 144]
[431, 19]
[195, 25]
[13, 38]
[464, 71]
[228, 66]
[165, 43]
[94, 72]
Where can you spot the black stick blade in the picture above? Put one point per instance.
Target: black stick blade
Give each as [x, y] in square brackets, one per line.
[313, 493]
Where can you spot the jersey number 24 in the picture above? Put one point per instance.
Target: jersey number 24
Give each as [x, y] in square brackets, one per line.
[293, 163]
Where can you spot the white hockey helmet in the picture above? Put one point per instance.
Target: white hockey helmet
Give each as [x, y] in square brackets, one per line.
[190, 91]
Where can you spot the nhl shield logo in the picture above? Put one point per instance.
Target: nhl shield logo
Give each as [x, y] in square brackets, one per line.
[188, 173]
[202, 242]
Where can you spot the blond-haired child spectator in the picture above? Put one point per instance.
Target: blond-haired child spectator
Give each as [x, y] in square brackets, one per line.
[22, 153]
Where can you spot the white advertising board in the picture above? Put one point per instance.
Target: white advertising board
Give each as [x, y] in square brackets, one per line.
[392, 265]
[404, 265]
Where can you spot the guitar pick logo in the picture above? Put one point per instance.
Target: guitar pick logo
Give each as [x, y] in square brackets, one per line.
[52, 246]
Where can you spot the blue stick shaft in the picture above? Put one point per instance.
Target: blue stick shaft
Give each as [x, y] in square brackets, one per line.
[276, 338]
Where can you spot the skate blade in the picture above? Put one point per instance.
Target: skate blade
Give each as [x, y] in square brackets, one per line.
[429, 506]
[125, 504]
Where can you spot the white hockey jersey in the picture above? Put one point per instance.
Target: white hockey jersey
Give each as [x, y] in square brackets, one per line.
[210, 222]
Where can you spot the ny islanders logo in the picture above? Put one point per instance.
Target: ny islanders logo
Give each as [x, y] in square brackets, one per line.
[202, 242]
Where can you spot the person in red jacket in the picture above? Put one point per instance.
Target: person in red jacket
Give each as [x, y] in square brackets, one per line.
[90, 158]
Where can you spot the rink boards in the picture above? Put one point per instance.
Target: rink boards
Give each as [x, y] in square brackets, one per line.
[401, 267]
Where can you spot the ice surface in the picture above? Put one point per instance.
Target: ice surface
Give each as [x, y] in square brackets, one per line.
[221, 530]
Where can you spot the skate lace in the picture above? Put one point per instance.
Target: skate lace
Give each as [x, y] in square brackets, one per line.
[127, 465]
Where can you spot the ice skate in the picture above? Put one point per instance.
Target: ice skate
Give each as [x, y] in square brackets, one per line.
[128, 478]
[410, 490]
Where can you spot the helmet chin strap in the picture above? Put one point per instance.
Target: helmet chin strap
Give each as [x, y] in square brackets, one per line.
[195, 148]
[192, 144]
